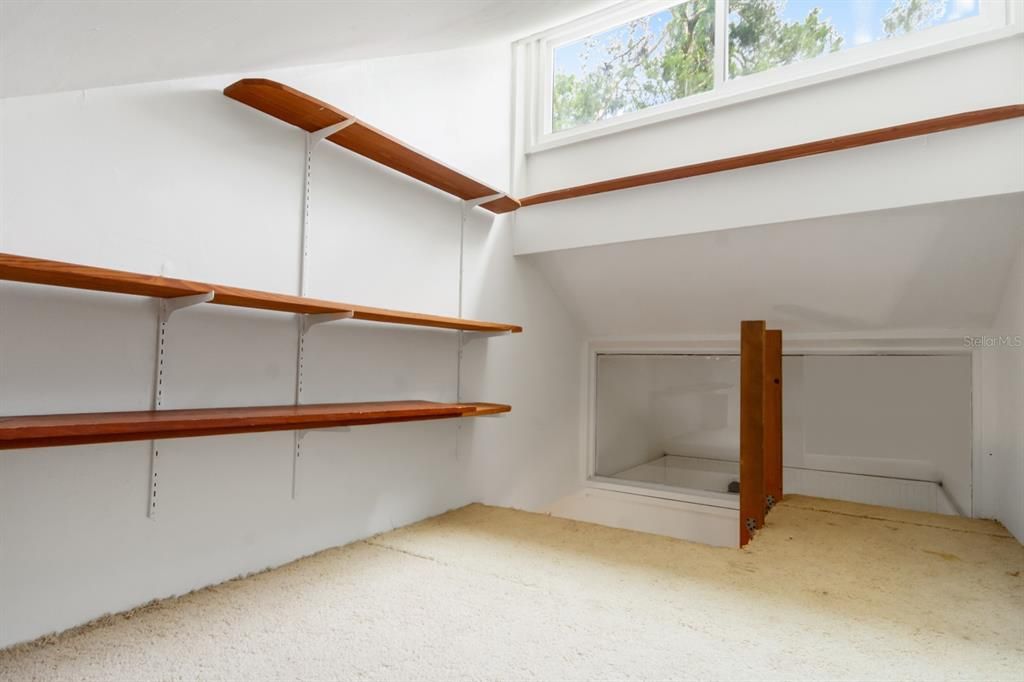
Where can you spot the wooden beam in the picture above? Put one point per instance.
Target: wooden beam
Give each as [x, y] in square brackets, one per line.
[772, 416]
[310, 114]
[751, 428]
[831, 144]
[108, 427]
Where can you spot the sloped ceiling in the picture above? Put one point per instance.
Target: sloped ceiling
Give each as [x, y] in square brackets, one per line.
[933, 267]
[51, 46]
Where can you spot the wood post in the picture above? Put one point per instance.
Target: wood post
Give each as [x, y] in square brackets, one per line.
[752, 394]
[772, 417]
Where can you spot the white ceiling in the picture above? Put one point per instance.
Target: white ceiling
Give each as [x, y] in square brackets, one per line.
[56, 45]
[934, 267]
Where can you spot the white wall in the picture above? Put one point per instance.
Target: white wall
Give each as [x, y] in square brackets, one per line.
[1000, 471]
[886, 244]
[901, 173]
[175, 178]
[940, 267]
[631, 406]
[685, 405]
[117, 43]
[711, 525]
[529, 457]
[891, 416]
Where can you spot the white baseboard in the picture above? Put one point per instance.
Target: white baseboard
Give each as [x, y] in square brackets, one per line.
[684, 520]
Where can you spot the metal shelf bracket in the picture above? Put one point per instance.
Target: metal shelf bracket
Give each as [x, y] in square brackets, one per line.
[307, 322]
[169, 305]
[468, 204]
[302, 433]
[322, 134]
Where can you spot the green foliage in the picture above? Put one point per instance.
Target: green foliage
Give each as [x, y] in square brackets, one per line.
[760, 39]
[637, 67]
[906, 16]
[640, 68]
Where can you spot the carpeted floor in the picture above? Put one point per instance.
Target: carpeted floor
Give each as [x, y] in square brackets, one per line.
[829, 590]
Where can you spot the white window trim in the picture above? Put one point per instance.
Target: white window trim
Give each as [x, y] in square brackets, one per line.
[997, 19]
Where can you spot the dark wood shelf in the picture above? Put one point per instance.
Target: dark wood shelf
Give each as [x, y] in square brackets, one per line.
[310, 114]
[832, 144]
[108, 427]
[55, 273]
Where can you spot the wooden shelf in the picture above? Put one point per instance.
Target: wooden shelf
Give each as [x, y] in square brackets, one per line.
[55, 273]
[310, 114]
[486, 409]
[108, 427]
[832, 144]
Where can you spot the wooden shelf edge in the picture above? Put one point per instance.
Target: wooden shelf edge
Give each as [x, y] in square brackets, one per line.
[485, 409]
[70, 275]
[304, 111]
[824, 146]
[36, 431]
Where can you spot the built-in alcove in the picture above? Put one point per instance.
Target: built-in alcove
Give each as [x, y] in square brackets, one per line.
[881, 429]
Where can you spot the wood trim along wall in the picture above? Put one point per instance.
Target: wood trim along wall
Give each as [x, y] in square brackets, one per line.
[831, 144]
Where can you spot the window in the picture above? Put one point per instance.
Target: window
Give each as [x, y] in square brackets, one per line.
[644, 57]
[764, 34]
[650, 60]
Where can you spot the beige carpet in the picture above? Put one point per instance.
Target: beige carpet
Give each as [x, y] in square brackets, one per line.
[828, 591]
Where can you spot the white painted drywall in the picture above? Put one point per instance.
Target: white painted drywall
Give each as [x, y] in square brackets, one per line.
[1001, 465]
[686, 521]
[116, 43]
[940, 267]
[648, 405]
[529, 457]
[901, 173]
[630, 403]
[894, 416]
[175, 178]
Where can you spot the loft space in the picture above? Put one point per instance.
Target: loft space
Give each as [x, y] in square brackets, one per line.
[669, 307]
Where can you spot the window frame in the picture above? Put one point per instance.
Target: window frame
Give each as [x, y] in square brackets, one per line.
[996, 19]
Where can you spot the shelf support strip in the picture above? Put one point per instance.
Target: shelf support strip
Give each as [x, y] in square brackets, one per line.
[306, 321]
[166, 308]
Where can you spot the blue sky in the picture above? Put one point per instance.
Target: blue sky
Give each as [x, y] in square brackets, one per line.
[858, 21]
